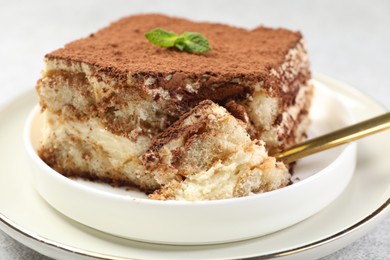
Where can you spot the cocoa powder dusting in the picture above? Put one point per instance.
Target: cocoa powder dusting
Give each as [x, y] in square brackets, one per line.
[122, 50]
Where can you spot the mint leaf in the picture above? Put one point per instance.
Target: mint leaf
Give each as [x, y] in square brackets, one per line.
[191, 42]
[161, 37]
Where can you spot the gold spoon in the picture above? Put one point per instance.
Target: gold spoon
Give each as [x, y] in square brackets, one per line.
[339, 137]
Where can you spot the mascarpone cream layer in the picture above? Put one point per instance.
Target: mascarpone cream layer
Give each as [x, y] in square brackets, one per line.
[118, 149]
[244, 174]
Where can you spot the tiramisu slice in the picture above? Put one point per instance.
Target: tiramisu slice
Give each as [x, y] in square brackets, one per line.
[208, 155]
[105, 96]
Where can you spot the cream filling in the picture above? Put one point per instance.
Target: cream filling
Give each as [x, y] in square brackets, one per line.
[216, 183]
[263, 110]
[220, 180]
[118, 149]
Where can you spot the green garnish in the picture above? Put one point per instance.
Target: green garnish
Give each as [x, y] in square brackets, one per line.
[191, 42]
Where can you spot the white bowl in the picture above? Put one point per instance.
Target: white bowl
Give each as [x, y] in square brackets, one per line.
[318, 180]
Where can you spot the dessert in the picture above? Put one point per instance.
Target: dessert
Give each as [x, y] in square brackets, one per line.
[106, 96]
[207, 155]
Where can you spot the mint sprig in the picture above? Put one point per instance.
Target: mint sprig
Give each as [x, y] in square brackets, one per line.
[191, 42]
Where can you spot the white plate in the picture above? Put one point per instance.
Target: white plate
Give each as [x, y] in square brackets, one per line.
[27, 218]
[323, 176]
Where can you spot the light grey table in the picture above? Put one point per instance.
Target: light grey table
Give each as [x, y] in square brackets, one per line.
[347, 40]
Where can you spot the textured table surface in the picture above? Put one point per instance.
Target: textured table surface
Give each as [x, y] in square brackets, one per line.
[347, 40]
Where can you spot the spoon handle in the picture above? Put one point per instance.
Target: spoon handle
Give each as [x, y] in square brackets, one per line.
[339, 137]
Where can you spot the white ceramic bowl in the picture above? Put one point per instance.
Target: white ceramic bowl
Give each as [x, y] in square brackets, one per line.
[319, 179]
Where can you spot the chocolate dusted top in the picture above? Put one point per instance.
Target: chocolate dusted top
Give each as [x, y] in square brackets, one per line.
[239, 59]
[122, 48]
